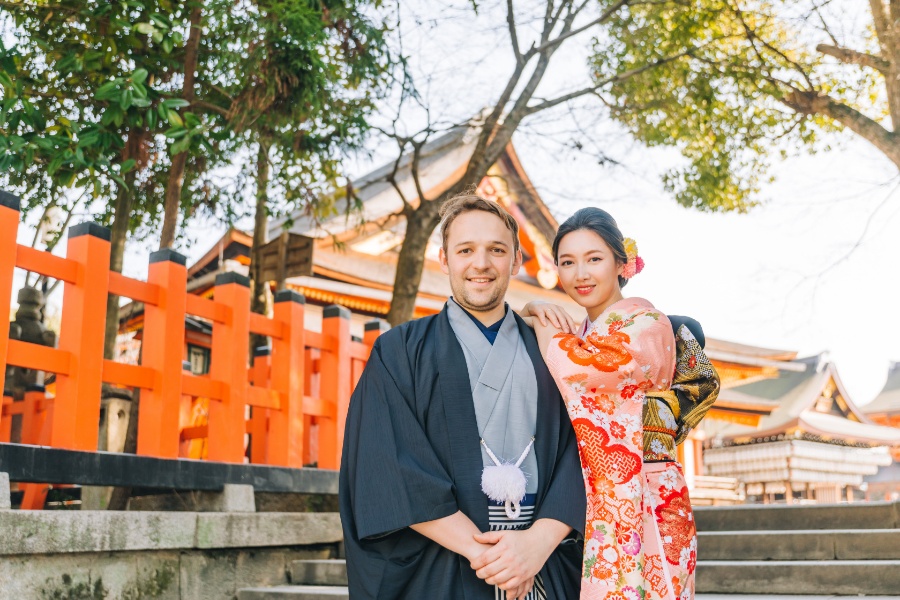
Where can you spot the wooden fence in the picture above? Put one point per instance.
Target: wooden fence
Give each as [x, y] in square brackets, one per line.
[304, 384]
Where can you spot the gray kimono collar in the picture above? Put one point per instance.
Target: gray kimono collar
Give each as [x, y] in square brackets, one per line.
[494, 365]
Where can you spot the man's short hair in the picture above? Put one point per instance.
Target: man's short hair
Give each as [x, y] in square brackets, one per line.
[467, 202]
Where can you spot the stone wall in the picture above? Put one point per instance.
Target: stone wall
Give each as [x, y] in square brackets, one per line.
[75, 555]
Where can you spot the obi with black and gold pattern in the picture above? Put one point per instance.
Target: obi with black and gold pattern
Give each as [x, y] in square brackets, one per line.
[669, 415]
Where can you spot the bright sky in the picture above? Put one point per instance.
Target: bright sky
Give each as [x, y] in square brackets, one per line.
[812, 269]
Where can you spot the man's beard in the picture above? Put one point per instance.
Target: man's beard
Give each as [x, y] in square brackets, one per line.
[462, 298]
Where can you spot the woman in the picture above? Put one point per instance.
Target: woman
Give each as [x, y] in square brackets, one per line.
[633, 390]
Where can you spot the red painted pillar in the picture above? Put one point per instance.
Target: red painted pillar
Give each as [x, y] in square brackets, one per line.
[159, 423]
[76, 415]
[230, 350]
[373, 329]
[5, 421]
[286, 425]
[9, 228]
[335, 384]
[258, 425]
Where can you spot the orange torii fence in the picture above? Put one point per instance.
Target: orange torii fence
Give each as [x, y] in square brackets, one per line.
[307, 379]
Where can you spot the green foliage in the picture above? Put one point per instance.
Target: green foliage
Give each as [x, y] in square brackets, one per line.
[715, 74]
[79, 78]
[309, 78]
[83, 76]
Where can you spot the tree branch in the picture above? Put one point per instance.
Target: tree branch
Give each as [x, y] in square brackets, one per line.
[817, 9]
[414, 170]
[812, 102]
[490, 123]
[550, 19]
[210, 107]
[753, 38]
[894, 10]
[499, 140]
[598, 21]
[596, 87]
[854, 57]
[219, 89]
[880, 18]
[392, 176]
[513, 36]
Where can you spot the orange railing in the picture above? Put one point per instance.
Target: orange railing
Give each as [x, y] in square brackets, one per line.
[298, 395]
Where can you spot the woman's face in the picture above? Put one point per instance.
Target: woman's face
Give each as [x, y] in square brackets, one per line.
[589, 271]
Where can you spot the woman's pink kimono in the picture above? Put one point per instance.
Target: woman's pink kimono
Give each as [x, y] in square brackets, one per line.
[640, 538]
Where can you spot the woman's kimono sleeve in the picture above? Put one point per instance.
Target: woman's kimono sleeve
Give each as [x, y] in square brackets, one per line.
[696, 382]
[390, 472]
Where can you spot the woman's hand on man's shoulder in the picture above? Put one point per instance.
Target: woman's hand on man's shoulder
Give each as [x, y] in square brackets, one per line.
[548, 314]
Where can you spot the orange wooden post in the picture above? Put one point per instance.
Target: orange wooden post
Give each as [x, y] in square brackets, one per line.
[9, 228]
[373, 329]
[159, 422]
[31, 423]
[36, 420]
[258, 425]
[5, 417]
[35, 496]
[311, 388]
[286, 425]
[41, 409]
[335, 384]
[76, 415]
[230, 341]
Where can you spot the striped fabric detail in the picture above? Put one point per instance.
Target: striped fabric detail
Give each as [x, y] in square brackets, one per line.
[498, 521]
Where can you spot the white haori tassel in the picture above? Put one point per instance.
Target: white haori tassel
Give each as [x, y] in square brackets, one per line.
[505, 482]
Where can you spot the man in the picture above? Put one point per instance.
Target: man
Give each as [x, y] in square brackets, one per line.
[440, 396]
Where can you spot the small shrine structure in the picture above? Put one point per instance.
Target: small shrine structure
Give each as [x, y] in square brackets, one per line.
[810, 441]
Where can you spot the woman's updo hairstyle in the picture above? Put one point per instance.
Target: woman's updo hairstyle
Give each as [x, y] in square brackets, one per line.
[600, 222]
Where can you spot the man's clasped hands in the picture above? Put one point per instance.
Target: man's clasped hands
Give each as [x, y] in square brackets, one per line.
[508, 559]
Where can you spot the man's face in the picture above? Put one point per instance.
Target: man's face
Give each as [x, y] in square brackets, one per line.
[479, 259]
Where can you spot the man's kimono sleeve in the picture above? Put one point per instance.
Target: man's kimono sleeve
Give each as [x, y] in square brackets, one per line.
[389, 470]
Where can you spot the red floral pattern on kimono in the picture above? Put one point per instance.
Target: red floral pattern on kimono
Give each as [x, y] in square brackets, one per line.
[640, 538]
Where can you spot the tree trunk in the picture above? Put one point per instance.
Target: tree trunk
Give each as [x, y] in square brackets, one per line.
[179, 161]
[118, 237]
[259, 298]
[420, 223]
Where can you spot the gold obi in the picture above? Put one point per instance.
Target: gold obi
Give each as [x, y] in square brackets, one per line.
[660, 420]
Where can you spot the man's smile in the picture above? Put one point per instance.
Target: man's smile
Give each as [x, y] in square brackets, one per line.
[480, 280]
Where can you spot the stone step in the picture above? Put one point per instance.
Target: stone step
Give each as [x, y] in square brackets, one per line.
[844, 544]
[832, 577]
[297, 592]
[862, 515]
[319, 572]
[815, 578]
